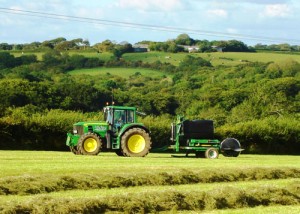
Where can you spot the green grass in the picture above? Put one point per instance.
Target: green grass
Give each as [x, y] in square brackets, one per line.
[47, 182]
[122, 72]
[16, 163]
[257, 210]
[216, 58]
[90, 53]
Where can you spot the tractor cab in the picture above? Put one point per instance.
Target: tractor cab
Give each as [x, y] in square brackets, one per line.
[118, 116]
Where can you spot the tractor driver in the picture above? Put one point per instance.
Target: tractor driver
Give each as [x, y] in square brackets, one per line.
[120, 121]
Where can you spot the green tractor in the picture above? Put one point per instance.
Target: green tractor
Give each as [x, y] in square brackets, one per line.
[197, 136]
[120, 132]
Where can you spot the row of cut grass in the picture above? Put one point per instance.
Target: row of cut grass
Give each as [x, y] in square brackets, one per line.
[132, 200]
[293, 209]
[186, 188]
[60, 182]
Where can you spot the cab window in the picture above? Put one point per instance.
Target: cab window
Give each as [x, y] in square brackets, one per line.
[130, 116]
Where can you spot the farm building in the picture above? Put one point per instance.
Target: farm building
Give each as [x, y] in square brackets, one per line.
[141, 48]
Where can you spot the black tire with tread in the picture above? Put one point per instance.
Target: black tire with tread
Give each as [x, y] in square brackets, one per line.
[81, 141]
[74, 150]
[119, 152]
[124, 142]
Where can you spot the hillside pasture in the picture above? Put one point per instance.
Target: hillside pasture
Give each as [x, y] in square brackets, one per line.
[216, 58]
[122, 72]
[60, 182]
[90, 53]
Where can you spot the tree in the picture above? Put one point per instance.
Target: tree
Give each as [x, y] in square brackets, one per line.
[105, 46]
[5, 46]
[190, 63]
[6, 60]
[184, 39]
[52, 58]
[235, 46]
[85, 43]
[204, 46]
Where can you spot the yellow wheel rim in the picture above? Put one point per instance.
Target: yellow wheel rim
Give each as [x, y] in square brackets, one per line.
[90, 145]
[136, 143]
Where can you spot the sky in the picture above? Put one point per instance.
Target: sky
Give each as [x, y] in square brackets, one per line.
[250, 21]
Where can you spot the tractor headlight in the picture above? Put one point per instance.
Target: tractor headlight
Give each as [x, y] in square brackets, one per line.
[75, 131]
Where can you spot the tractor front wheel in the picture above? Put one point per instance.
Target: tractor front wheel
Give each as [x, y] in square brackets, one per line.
[135, 142]
[89, 144]
[211, 153]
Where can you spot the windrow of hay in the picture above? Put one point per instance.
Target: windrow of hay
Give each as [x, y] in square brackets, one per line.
[152, 202]
[29, 185]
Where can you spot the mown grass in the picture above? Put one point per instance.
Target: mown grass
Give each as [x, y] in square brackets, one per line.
[221, 197]
[256, 210]
[16, 163]
[60, 182]
[122, 72]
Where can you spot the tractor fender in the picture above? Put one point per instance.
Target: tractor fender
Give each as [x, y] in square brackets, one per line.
[130, 126]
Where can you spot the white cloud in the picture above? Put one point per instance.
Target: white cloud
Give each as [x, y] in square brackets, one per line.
[276, 10]
[164, 5]
[232, 30]
[218, 12]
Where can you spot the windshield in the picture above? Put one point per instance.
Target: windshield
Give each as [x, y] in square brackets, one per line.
[108, 115]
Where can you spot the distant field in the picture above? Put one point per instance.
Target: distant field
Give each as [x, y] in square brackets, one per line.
[216, 58]
[39, 54]
[122, 72]
[60, 182]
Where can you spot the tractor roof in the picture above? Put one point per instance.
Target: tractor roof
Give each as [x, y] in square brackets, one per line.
[122, 107]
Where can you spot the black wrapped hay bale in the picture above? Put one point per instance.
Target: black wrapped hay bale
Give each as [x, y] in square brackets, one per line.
[198, 129]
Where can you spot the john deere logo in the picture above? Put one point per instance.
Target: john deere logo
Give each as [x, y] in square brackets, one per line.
[100, 128]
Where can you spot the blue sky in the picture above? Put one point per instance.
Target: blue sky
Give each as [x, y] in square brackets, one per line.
[276, 20]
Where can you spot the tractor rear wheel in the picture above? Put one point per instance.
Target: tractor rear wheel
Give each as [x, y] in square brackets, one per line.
[135, 142]
[89, 144]
[211, 153]
[74, 150]
[119, 152]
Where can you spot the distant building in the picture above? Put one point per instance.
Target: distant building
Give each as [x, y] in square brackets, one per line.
[140, 48]
[219, 49]
[190, 49]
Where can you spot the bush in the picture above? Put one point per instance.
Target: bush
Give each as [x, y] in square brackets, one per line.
[25, 128]
[270, 136]
[160, 130]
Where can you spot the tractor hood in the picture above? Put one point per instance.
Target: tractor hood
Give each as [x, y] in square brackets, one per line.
[91, 123]
[99, 127]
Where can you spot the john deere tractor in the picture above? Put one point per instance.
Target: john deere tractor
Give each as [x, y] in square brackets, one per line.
[197, 136]
[120, 132]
